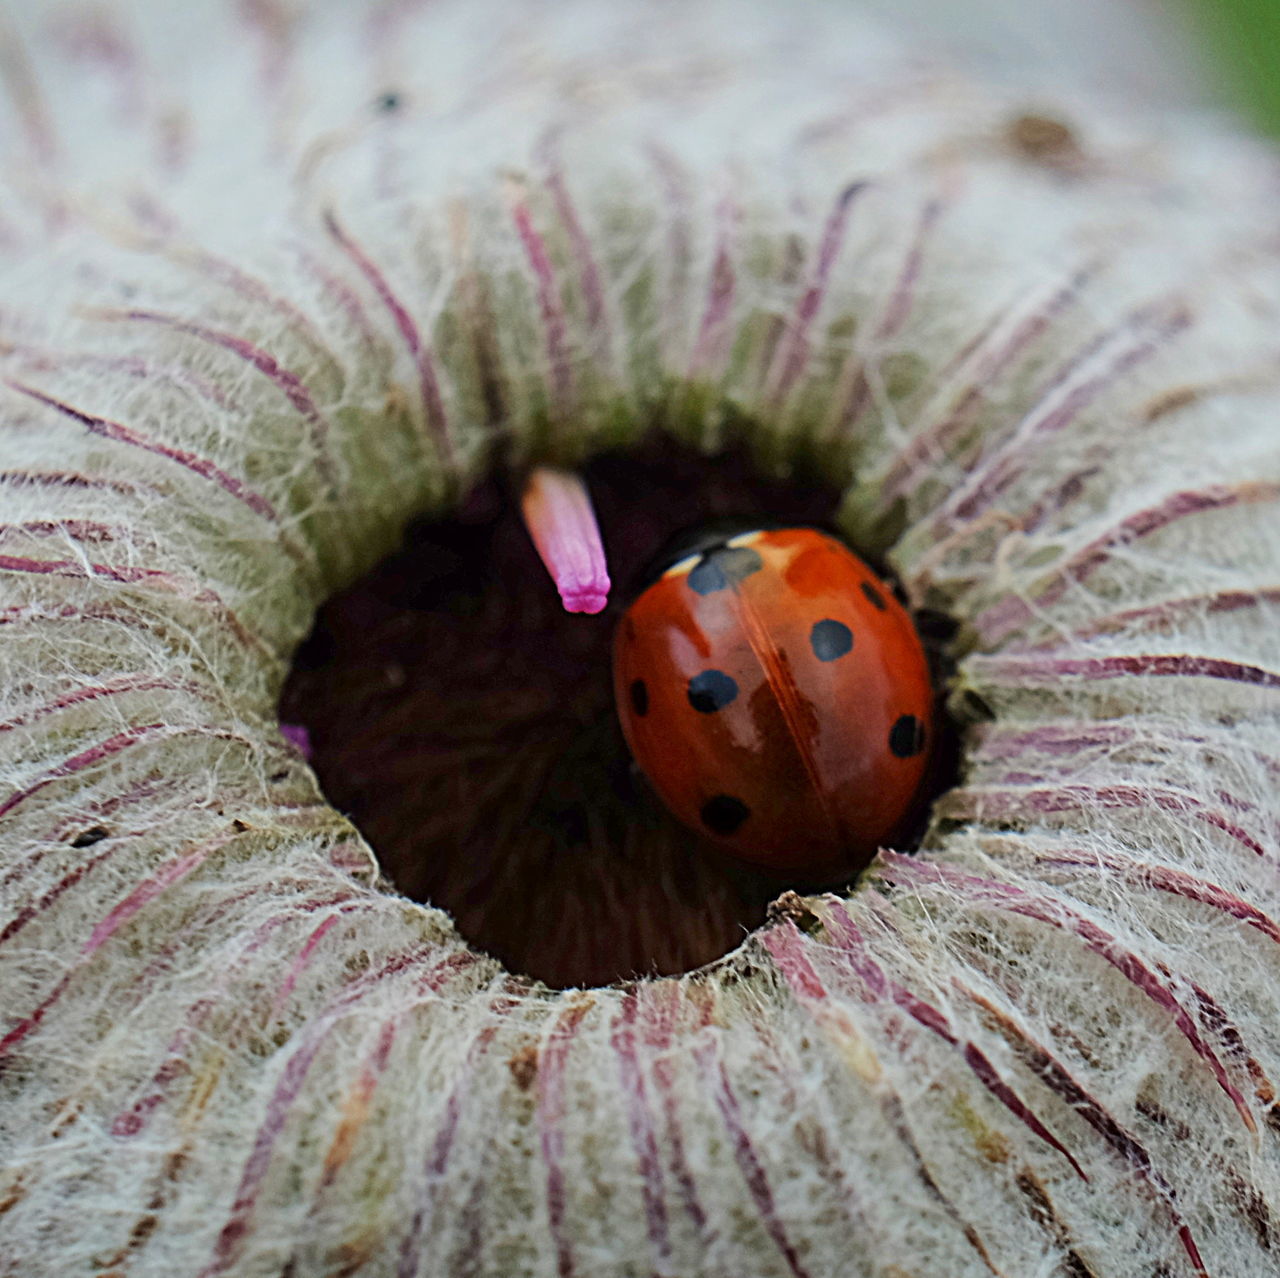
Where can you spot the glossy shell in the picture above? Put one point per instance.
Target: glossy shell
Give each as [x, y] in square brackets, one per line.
[778, 699]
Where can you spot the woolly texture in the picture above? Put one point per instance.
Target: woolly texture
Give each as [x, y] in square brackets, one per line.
[276, 279]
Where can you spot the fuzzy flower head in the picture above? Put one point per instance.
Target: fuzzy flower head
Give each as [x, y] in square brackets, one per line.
[297, 302]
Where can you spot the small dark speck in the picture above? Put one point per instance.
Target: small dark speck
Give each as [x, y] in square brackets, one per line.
[934, 625]
[906, 737]
[639, 697]
[278, 776]
[874, 597]
[1042, 139]
[524, 1067]
[791, 907]
[972, 708]
[89, 837]
[389, 102]
[724, 814]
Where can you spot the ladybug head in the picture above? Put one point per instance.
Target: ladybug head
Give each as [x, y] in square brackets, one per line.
[708, 535]
[697, 539]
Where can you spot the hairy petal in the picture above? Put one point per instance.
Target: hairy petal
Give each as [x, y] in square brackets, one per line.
[278, 279]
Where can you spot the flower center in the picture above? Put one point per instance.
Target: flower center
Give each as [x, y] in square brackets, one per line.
[465, 722]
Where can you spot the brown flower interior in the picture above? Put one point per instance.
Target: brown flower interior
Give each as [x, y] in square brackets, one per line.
[465, 723]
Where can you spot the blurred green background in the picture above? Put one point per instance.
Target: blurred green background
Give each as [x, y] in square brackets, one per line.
[1243, 41]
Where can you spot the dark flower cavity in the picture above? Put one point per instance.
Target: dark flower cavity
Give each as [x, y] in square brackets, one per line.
[465, 722]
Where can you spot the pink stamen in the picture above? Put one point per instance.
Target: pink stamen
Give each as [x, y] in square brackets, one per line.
[558, 514]
[297, 735]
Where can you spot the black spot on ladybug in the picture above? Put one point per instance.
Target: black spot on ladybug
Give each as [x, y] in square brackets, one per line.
[711, 690]
[724, 814]
[639, 697]
[874, 597]
[723, 567]
[906, 737]
[830, 639]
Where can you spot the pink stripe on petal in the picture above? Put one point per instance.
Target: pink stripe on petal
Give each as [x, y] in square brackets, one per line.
[437, 1161]
[1058, 1079]
[1041, 671]
[853, 950]
[116, 687]
[1024, 798]
[129, 574]
[551, 1112]
[293, 1076]
[290, 385]
[428, 380]
[722, 288]
[1006, 898]
[903, 296]
[640, 1124]
[658, 1030]
[558, 513]
[591, 283]
[1158, 616]
[1002, 618]
[855, 386]
[131, 1121]
[231, 1237]
[993, 353]
[146, 892]
[750, 1166]
[549, 306]
[1165, 878]
[126, 435]
[104, 750]
[68, 881]
[356, 1107]
[86, 758]
[784, 946]
[300, 963]
[344, 298]
[241, 282]
[25, 100]
[120, 915]
[793, 353]
[1007, 464]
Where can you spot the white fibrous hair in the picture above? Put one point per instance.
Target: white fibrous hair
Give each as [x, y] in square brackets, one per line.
[279, 278]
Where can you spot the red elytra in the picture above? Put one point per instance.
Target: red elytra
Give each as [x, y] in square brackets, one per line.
[776, 695]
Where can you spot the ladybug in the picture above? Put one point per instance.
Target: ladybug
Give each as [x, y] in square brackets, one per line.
[777, 697]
